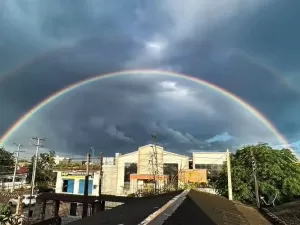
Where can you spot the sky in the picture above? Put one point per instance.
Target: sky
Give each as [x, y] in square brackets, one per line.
[248, 48]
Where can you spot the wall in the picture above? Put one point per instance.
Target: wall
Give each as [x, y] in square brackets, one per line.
[194, 176]
[108, 179]
[120, 166]
[208, 158]
[181, 160]
[146, 155]
[6, 181]
[60, 177]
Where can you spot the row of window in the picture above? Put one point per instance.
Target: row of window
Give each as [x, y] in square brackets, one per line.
[209, 166]
[170, 169]
[213, 171]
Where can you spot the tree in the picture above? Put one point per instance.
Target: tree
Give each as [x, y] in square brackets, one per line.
[44, 169]
[5, 213]
[6, 161]
[277, 172]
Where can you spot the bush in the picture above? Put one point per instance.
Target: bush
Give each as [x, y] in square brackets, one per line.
[5, 213]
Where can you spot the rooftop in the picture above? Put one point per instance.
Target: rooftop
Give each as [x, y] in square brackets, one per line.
[192, 207]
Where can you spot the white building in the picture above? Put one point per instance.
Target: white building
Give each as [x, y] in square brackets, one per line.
[137, 168]
[61, 159]
[149, 166]
[211, 161]
[123, 174]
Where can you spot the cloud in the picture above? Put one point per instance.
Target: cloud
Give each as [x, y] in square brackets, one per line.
[97, 121]
[213, 41]
[179, 137]
[200, 16]
[114, 132]
[220, 137]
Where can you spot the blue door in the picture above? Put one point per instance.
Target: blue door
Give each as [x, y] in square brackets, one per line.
[90, 187]
[81, 187]
[70, 186]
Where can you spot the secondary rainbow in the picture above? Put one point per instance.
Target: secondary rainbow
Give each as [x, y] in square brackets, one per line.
[255, 61]
[214, 87]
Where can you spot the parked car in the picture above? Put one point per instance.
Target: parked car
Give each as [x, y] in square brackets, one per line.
[25, 202]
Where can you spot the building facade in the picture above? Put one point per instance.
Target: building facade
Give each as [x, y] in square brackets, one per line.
[149, 166]
[72, 181]
[211, 161]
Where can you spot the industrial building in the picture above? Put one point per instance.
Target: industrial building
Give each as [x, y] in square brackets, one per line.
[149, 166]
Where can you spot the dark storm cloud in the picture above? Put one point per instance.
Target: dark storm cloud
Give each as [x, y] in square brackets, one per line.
[95, 38]
[113, 116]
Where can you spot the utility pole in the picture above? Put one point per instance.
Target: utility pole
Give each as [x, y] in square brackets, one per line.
[156, 163]
[255, 180]
[229, 175]
[101, 173]
[38, 146]
[16, 164]
[101, 206]
[86, 187]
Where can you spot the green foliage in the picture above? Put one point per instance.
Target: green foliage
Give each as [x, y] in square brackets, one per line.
[75, 166]
[5, 213]
[193, 185]
[6, 160]
[277, 172]
[44, 171]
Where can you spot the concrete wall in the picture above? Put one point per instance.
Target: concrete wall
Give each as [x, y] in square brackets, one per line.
[59, 182]
[146, 155]
[181, 160]
[208, 158]
[109, 179]
[194, 176]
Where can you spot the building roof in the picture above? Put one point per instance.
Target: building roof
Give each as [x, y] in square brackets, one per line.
[197, 208]
[128, 154]
[129, 213]
[288, 213]
[23, 170]
[150, 145]
[213, 209]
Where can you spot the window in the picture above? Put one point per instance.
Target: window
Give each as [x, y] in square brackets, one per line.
[200, 166]
[130, 168]
[213, 170]
[65, 186]
[171, 169]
